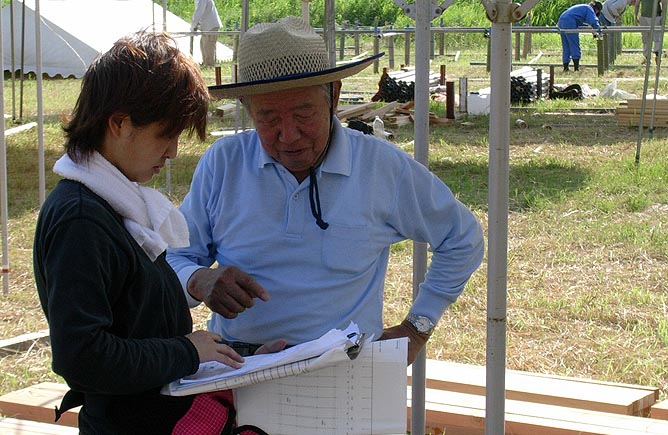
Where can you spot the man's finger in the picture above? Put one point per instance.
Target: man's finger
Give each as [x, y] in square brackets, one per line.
[253, 289]
[223, 304]
[271, 347]
[236, 299]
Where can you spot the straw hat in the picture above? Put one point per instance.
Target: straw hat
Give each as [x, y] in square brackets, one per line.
[284, 55]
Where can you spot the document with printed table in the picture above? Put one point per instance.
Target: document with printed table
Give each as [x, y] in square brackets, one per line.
[333, 347]
[361, 396]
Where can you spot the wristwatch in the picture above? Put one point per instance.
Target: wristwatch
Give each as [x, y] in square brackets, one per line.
[423, 324]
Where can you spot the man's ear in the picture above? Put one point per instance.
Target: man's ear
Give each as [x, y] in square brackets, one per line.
[336, 93]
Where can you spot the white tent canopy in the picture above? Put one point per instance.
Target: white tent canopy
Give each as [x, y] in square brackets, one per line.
[74, 32]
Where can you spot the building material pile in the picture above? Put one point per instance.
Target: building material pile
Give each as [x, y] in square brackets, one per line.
[400, 85]
[527, 85]
[628, 112]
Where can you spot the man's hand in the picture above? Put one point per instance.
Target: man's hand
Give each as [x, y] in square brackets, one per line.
[416, 341]
[227, 291]
[271, 347]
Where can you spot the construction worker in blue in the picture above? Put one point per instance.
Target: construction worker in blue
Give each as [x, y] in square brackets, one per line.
[572, 18]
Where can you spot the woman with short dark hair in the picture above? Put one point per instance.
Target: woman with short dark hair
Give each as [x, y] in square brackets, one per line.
[119, 323]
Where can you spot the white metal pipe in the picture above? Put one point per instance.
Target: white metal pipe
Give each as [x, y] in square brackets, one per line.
[329, 29]
[499, 144]
[656, 76]
[4, 215]
[245, 19]
[164, 15]
[516, 29]
[13, 56]
[643, 103]
[40, 104]
[421, 134]
[306, 11]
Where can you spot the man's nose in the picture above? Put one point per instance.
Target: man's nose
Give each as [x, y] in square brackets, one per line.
[289, 130]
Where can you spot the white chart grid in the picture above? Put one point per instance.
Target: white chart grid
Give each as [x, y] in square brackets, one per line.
[364, 396]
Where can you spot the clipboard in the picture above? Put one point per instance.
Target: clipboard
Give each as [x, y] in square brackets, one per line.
[331, 348]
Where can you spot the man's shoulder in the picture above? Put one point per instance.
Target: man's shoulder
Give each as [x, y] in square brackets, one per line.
[235, 151]
[242, 142]
[368, 143]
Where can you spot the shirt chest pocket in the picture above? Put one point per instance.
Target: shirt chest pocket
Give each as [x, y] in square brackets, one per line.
[348, 248]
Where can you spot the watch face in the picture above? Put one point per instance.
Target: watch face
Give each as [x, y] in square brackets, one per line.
[423, 325]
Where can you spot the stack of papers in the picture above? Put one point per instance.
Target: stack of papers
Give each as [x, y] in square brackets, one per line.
[327, 350]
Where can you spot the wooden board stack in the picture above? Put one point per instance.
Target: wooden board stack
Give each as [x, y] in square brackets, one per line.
[455, 404]
[628, 112]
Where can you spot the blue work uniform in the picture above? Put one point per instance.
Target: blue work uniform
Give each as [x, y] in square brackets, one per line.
[572, 18]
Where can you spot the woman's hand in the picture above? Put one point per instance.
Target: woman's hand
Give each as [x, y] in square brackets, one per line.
[209, 348]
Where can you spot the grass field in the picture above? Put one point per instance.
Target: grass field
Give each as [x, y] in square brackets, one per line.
[588, 230]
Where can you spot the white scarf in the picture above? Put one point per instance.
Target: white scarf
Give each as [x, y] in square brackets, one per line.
[149, 216]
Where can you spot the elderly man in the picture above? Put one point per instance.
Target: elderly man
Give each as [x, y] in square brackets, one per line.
[300, 213]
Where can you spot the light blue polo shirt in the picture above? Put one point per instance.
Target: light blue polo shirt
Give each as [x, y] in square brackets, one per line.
[244, 209]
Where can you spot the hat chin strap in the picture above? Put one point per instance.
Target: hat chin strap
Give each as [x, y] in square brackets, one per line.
[314, 193]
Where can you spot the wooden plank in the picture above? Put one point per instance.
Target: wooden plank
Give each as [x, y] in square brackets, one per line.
[357, 109]
[637, 103]
[633, 116]
[38, 403]
[548, 389]
[459, 413]
[13, 426]
[20, 128]
[634, 120]
[659, 118]
[637, 110]
[659, 410]
[226, 110]
[22, 342]
[398, 120]
[381, 111]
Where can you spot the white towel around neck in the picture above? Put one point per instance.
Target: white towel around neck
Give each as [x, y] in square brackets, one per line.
[149, 216]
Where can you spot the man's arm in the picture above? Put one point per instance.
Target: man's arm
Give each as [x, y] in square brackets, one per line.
[428, 212]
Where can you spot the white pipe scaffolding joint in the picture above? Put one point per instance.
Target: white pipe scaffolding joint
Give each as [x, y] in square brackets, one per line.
[436, 9]
[521, 10]
[505, 12]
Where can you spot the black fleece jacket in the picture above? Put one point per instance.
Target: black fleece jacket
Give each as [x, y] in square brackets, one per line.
[117, 320]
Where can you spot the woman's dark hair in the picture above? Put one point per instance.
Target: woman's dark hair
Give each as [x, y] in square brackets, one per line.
[145, 76]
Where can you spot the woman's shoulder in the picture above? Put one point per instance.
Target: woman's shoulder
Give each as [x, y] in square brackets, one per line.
[71, 199]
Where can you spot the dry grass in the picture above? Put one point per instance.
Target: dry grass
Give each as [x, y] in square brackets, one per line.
[587, 255]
